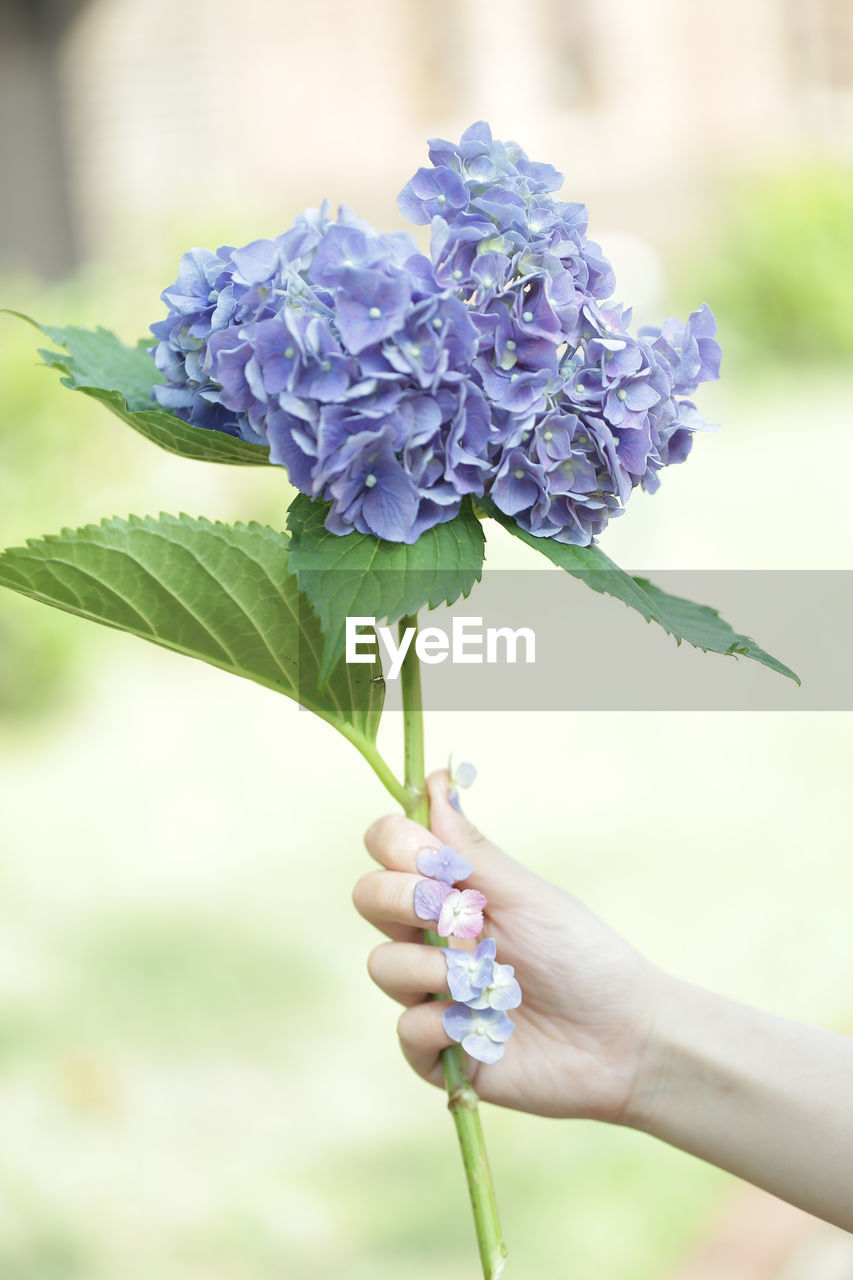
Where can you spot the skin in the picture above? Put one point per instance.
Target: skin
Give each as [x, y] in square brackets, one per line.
[603, 1034]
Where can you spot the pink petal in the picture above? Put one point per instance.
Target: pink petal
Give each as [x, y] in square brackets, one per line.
[461, 914]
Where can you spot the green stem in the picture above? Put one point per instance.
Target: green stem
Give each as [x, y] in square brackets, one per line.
[380, 767]
[462, 1098]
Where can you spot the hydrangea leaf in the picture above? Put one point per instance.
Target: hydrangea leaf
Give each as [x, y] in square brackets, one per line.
[698, 624]
[95, 362]
[218, 592]
[359, 575]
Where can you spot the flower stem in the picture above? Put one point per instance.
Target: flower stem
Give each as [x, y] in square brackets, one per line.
[462, 1098]
[380, 767]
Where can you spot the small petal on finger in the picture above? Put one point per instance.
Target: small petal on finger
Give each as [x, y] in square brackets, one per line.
[469, 973]
[428, 898]
[481, 1032]
[461, 914]
[444, 864]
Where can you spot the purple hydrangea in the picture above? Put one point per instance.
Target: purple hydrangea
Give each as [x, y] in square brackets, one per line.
[458, 912]
[470, 973]
[461, 775]
[428, 899]
[483, 1033]
[392, 385]
[443, 864]
[501, 992]
[483, 991]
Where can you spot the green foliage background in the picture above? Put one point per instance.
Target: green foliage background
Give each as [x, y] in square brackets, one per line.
[778, 262]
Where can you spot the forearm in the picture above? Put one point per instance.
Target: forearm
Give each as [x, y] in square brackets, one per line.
[767, 1099]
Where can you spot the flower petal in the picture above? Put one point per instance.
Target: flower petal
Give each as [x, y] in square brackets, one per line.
[444, 864]
[482, 1048]
[429, 897]
[461, 914]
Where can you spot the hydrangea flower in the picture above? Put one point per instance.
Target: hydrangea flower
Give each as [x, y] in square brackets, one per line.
[458, 912]
[470, 973]
[429, 897]
[461, 914]
[501, 992]
[481, 1032]
[391, 384]
[461, 775]
[444, 864]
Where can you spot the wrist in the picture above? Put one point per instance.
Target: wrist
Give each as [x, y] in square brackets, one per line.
[662, 1054]
[698, 1061]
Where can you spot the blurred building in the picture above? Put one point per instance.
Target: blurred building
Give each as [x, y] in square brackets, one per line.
[271, 105]
[37, 224]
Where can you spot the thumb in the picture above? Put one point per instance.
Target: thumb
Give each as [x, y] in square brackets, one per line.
[495, 873]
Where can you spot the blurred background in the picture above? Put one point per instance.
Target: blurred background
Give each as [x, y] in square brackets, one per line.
[197, 1078]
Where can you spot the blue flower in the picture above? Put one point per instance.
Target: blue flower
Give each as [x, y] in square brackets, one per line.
[432, 193]
[373, 492]
[481, 1032]
[463, 774]
[500, 992]
[391, 385]
[256, 263]
[520, 482]
[476, 143]
[443, 864]
[369, 306]
[428, 898]
[344, 248]
[458, 912]
[470, 973]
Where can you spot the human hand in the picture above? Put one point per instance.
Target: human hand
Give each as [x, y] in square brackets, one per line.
[589, 998]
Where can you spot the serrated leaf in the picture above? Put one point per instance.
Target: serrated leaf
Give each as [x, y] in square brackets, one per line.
[698, 624]
[95, 362]
[359, 575]
[217, 592]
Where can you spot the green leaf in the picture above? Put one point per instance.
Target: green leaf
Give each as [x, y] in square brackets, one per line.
[698, 624]
[359, 575]
[217, 592]
[95, 362]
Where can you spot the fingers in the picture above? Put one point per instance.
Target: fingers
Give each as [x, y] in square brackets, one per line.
[408, 972]
[494, 873]
[396, 841]
[387, 897]
[451, 825]
[422, 1037]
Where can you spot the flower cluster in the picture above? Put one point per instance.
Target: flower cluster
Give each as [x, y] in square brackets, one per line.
[458, 912]
[482, 989]
[391, 384]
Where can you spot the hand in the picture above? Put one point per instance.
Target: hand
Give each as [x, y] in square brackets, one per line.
[602, 1034]
[589, 998]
